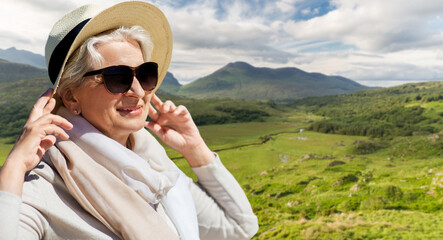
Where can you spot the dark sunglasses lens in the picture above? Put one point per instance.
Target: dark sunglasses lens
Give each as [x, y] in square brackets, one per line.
[147, 74]
[118, 79]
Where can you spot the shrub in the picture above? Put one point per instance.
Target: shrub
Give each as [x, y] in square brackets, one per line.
[366, 147]
[373, 203]
[393, 193]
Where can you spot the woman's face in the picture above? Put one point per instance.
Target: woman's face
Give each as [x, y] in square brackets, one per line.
[115, 115]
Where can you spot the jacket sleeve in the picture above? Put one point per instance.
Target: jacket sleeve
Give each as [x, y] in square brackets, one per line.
[223, 209]
[15, 222]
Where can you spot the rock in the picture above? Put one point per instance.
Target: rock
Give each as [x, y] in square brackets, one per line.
[283, 157]
[355, 188]
[307, 156]
[434, 137]
[432, 193]
[336, 163]
[337, 183]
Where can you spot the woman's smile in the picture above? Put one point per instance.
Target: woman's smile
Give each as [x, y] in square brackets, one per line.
[130, 110]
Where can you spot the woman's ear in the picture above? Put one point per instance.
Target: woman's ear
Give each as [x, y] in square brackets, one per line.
[70, 101]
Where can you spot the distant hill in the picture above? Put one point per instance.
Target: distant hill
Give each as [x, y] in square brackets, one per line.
[22, 56]
[240, 80]
[10, 72]
[18, 97]
[170, 84]
[409, 109]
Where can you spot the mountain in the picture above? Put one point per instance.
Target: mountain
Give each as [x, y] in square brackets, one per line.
[22, 56]
[240, 80]
[170, 84]
[10, 72]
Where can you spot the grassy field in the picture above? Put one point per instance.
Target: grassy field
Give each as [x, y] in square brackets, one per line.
[322, 189]
[310, 185]
[4, 151]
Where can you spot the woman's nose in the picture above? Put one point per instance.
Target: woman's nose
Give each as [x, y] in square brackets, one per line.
[136, 89]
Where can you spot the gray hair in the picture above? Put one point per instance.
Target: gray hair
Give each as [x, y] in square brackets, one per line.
[87, 57]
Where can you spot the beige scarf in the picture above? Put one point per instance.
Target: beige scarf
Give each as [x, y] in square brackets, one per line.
[117, 194]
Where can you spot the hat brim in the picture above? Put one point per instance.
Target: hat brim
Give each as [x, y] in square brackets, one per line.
[130, 14]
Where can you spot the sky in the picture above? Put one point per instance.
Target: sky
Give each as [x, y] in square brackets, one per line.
[374, 42]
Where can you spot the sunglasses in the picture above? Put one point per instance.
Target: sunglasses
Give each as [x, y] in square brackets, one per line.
[118, 79]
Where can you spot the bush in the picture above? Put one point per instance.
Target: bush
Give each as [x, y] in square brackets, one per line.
[366, 147]
[373, 203]
[393, 193]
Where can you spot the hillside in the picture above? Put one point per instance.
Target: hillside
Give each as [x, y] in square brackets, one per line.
[18, 97]
[170, 84]
[22, 56]
[240, 80]
[410, 109]
[10, 71]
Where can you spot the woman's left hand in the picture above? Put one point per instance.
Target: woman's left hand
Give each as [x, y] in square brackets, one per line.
[175, 127]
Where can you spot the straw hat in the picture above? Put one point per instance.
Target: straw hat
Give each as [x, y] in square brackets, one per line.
[75, 27]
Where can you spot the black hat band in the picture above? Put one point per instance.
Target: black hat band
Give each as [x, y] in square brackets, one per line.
[61, 50]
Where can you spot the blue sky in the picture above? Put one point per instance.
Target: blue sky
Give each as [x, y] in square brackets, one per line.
[374, 42]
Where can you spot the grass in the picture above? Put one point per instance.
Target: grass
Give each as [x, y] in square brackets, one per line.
[301, 198]
[4, 151]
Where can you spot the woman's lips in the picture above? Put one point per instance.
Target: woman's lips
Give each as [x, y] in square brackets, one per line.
[135, 110]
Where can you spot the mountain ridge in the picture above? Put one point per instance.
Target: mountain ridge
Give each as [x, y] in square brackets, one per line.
[11, 71]
[13, 54]
[236, 80]
[240, 80]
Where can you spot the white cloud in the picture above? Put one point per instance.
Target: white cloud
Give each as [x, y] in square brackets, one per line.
[287, 6]
[376, 25]
[210, 40]
[27, 23]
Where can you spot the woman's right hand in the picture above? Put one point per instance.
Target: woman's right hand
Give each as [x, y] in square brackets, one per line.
[37, 136]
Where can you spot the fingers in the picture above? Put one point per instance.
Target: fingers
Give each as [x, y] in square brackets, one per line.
[167, 114]
[153, 114]
[37, 109]
[49, 125]
[181, 110]
[47, 142]
[52, 129]
[156, 129]
[168, 106]
[156, 101]
[55, 120]
[49, 106]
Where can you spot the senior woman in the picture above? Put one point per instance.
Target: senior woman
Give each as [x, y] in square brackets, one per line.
[84, 167]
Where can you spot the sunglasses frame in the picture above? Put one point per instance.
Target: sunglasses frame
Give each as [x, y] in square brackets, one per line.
[134, 70]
